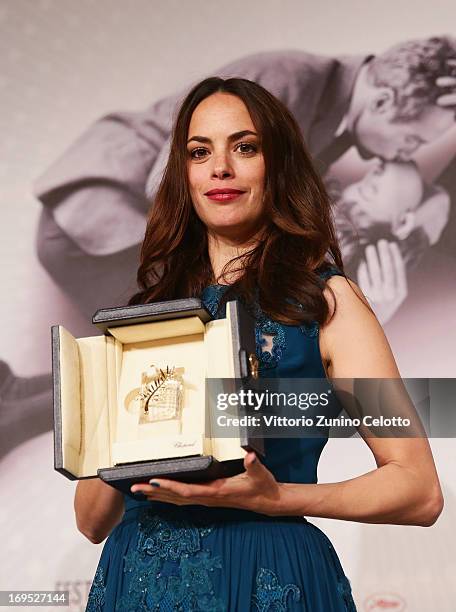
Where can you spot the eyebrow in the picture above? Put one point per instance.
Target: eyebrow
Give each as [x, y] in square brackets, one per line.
[231, 137]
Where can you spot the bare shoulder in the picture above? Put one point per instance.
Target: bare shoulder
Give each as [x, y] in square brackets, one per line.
[352, 342]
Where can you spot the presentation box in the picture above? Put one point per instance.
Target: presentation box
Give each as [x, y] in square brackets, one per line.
[131, 404]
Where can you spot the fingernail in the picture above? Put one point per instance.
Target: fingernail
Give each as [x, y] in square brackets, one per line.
[154, 484]
[138, 493]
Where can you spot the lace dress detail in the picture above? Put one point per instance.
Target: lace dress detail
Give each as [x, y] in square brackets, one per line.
[96, 598]
[269, 595]
[169, 570]
[212, 300]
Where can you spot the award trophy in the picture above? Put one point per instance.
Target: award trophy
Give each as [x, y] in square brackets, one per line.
[131, 404]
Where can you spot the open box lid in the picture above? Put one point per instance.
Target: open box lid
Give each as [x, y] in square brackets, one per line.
[242, 323]
[147, 313]
[241, 334]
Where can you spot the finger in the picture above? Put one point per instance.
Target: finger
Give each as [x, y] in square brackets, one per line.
[184, 489]
[400, 272]
[156, 494]
[363, 279]
[447, 100]
[164, 488]
[445, 81]
[153, 494]
[387, 269]
[253, 466]
[250, 460]
[373, 266]
[143, 488]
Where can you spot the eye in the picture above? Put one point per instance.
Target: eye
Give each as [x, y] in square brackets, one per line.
[248, 148]
[198, 153]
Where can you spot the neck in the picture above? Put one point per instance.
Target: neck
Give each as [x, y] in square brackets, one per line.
[223, 249]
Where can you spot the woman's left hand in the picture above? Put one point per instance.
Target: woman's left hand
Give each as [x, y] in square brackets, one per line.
[255, 489]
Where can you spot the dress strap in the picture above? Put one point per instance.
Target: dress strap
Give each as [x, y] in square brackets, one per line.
[330, 271]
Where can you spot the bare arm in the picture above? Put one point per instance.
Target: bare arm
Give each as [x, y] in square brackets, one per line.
[404, 489]
[98, 508]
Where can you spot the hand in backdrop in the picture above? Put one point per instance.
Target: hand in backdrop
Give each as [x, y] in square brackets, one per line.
[382, 278]
[448, 99]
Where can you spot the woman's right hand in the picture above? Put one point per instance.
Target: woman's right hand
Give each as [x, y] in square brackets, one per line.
[382, 278]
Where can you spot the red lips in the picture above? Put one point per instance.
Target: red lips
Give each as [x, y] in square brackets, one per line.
[224, 190]
[223, 195]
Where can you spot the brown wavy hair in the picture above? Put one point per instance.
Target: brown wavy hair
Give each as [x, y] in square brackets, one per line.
[281, 272]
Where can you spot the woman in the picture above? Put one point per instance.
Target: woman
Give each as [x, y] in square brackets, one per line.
[240, 211]
[390, 208]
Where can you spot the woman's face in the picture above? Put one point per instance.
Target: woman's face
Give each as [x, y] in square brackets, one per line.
[226, 167]
[387, 192]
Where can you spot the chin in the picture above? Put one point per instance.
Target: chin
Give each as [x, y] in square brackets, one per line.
[228, 221]
[223, 227]
[230, 226]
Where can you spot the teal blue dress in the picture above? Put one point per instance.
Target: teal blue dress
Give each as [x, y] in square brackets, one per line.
[171, 558]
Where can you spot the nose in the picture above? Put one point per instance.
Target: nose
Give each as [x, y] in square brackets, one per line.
[222, 167]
